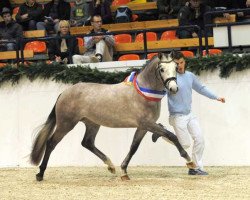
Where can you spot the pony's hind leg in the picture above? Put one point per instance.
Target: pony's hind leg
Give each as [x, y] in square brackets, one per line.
[89, 143]
[139, 134]
[50, 146]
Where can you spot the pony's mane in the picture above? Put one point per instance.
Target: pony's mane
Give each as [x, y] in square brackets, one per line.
[150, 62]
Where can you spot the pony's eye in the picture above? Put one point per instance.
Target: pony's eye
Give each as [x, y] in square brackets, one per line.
[162, 70]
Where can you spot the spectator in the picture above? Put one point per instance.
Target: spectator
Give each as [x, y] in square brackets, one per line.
[29, 14]
[61, 49]
[175, 6]
[163, 7]
[6, 4]
[168, 9]
[79, 13]
[99, 48]
[9, 30]
[54, 11]
[192, 14]
[102, 8]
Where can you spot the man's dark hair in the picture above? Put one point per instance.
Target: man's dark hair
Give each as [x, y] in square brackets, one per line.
[177, 55]
[92, 17]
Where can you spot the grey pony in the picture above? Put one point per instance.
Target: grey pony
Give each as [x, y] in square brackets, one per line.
[110, 105]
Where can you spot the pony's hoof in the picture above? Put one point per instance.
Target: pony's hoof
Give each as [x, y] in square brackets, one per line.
[191, 165]
[112, 170]
[39, 177]
[125, 178]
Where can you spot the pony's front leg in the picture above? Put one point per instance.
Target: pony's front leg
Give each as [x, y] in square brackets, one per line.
[156, 128]
[139, 134]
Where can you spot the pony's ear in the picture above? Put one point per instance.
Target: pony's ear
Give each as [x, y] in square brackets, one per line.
[172, 53]
[160, 55]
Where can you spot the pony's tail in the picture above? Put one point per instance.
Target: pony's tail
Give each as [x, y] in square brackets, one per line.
[43, 135]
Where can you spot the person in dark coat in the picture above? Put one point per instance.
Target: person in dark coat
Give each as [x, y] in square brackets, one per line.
[5, 4]
[53, 12]
[192, 14]
[29, 14]
[102, 8]
[9, 30]
[61, 50]
[168, 9]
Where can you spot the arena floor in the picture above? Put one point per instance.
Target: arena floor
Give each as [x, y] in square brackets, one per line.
[153, 183]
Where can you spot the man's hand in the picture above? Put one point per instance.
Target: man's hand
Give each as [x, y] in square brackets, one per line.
[226, 15]
[221, 99]
[98, 38]
[58, 59]
[25, 16]
[240, 14]
[194, 35]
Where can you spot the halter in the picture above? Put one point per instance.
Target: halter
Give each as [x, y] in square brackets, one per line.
[167, 81]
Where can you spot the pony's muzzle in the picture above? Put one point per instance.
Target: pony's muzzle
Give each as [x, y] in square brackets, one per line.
[173, 87]
[173, 90]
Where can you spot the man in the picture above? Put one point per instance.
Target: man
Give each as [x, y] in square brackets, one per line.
[181, 118]
[99, 48]
[192, 14]
[29, 14]
[9, 30]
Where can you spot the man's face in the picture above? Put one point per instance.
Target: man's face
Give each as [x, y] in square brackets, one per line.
[181, 64]
[97, 23]
[7, 18]
[195, 3]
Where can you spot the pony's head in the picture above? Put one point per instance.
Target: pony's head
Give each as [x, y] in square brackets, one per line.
[167, 72]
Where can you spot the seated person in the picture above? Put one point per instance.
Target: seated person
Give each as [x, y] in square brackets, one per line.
[61, 49]
[29, 14]
[163, 7]
[192, 14]
[99, 48]
[79, 13]
[9, 30]
[102, 8]
[54, 11]
[175, 6]
[5, 3]
[168, 9]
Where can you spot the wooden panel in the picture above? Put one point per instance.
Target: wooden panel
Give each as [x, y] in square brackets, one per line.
[18, 2]
[128, 26]
[35, 33]
[12, 54]
[161, 23]
[138, 6]
[163, 44]
[218, 20]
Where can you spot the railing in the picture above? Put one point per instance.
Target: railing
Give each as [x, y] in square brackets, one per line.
[144, 31]
[208, 25]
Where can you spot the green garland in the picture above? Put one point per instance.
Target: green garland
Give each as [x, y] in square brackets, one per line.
[61, 73]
